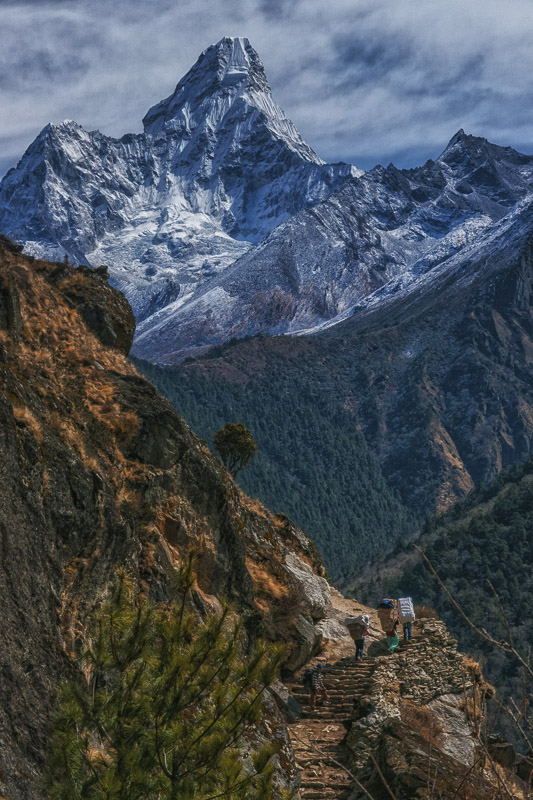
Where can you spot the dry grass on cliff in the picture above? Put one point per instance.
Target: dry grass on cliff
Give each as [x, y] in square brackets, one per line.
[422, 721]
[426, 612]
[24, 416]
[474, 671]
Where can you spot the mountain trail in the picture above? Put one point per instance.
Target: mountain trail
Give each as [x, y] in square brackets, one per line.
[318, 736]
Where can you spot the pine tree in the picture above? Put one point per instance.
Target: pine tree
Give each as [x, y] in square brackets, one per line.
[164, 705]
[235, 445]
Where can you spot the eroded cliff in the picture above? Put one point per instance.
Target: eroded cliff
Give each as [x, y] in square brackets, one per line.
[99, 472]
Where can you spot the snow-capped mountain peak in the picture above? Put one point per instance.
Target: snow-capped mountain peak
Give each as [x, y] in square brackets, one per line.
[227, 84]
[218, 167]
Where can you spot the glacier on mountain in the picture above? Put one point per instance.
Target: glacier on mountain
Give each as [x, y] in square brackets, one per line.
[218, 166]
[219, 221]
[372, 238]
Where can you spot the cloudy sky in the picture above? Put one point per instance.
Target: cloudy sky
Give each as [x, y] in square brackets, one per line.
[365, 81]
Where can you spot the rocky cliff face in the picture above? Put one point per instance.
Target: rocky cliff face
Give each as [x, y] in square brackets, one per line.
[99, 472]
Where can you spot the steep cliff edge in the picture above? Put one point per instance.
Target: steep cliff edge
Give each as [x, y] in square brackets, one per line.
[99, 472]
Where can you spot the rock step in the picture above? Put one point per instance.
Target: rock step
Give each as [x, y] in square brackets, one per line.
[337, 683]
[316, 759]
[335, 699]
[339, 688]
[335, 691]
[324, 794]
[337, 715]
[319, 783]
[335, 708]
[358, 670]
[321, 778]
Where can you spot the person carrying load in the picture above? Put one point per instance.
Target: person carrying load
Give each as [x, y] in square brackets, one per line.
[389, 620]
[358, 628]
[406, 614]
[312, 680]
[393, 640]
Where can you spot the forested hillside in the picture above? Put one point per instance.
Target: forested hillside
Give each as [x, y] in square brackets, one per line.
[428, 397]
[488, 537]
[312, 464]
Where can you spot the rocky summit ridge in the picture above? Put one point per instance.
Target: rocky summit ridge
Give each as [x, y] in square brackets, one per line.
[219, 221]
[378, 236]
[218, 166]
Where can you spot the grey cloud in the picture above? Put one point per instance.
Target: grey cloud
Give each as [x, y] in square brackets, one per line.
[368, 80]
[278, 9]
[361, 58]
[41, 68]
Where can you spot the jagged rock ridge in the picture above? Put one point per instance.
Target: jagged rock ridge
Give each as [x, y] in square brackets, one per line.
[217, 167]
[376, 235]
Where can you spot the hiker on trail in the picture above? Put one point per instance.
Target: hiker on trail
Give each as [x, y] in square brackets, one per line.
[316, 687]
[358, 629]
[393, 640]
[388, 617]
[360, 642]
[406, 614]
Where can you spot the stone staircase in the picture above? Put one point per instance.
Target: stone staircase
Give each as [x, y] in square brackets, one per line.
[323, 729]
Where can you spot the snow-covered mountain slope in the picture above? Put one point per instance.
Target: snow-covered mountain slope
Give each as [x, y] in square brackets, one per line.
[371, 238]
[218, 167]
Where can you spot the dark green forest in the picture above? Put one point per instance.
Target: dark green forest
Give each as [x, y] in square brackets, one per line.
[312, 462]
[487, 537]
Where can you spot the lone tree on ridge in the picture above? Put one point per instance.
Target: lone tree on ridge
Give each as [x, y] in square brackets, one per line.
[235, 446]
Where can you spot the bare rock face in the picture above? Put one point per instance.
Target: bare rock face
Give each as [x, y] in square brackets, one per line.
[99, 473]
[455, 730]
[10, 318]
[313, 589]
[414, 768]
[105, 311]
[306, 641]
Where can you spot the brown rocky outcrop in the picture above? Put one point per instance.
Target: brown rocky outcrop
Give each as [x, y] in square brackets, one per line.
[98, 472]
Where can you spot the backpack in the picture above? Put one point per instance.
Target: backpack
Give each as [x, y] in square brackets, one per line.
[386, 614]
[356, 626]
[307, 678]
[406, 610]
